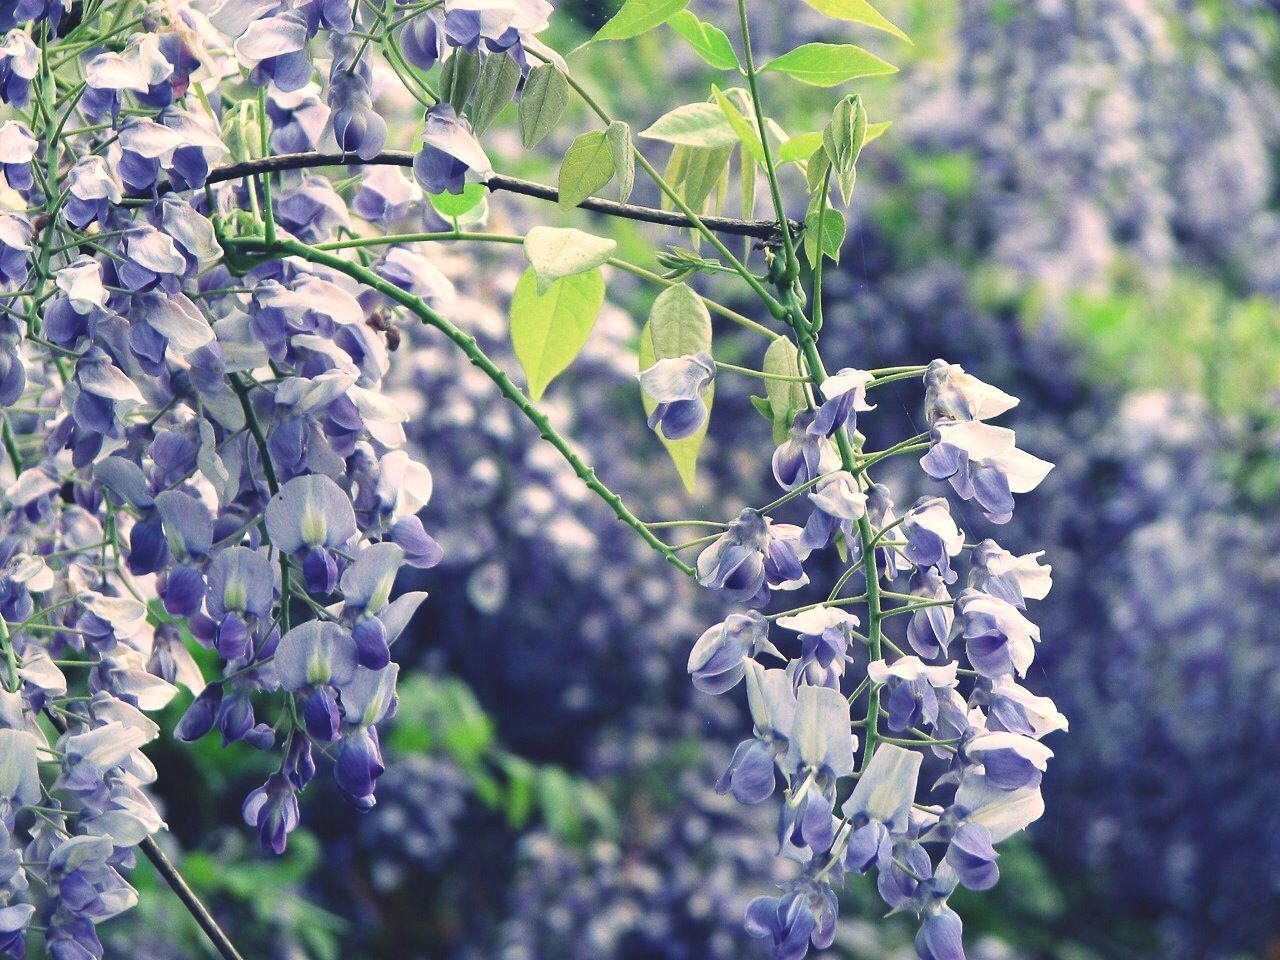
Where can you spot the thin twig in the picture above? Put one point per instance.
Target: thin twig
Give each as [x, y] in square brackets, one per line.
[762, 229]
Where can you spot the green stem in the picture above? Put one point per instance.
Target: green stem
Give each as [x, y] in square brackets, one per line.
[293, 248]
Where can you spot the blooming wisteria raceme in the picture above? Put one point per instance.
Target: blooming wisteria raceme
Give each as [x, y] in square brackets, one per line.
[202, 449]
[951, 759]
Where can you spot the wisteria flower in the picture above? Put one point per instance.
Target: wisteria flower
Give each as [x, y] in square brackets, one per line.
[677, 386]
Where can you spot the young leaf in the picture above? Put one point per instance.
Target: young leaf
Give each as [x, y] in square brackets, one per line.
[678, 325]
[785, 396]
[456, 204]
[830, 234]
[843, 139]
[745, 130]
[555, 253]
[799, 147]
[637, 17]
[708, 42]
[499, 78]
[693, 125]
[624, 160]
[587, 166]
[874, 130]
[695, 171]
[546, 94]
[859, 11]
[548, 330]
[829, 64]
[458, 78]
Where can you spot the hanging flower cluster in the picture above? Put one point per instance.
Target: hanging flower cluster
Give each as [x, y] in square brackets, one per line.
[203, 448]
[939, 738]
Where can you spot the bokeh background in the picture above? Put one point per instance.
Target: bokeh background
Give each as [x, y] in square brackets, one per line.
[1077, 201]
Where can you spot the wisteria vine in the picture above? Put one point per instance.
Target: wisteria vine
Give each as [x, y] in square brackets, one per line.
[194, 336]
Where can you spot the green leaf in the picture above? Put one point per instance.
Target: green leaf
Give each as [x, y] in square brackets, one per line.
[744, 129]
[548, 330]
[785, 397]
[587, 166]
[555, 253]
[693, 125]
[639, 16]
[499, 77]
[542, 103]
[695, 171]
[859, 11]
[842, 139]
[624, 161]
[678, 325]
[763, 407]
[874, 130]
[828, 64]
[456, 204]
[799, 147]
[831, 234]
[708, 42]
[458, 78]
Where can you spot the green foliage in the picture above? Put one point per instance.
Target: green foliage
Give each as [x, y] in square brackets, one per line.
[709, 42]
[456, 204]
[829, 64]
[826, 234]
[744, 129]
[555, 252]
[458, 78]
[548, 329]
[587, 166]
[859, 11]
[638, 16]
[624, 161]
[842, 139]
[693, 125]
[441, 714]
[678, 325]
[785, 398]
[542, 103]
[497, 84]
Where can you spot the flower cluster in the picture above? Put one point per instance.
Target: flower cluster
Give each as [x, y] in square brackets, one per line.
[200, 449]
[951, 752]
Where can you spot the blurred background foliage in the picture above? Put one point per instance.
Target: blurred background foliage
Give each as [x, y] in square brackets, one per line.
[1078, 201]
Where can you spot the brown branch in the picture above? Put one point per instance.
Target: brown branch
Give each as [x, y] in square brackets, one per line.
[763, 229]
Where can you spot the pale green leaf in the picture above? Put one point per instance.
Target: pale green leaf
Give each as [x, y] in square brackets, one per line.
[458, 78]
[744, 129]
[830, 235]
[785, 397]
[829, 64]
[555, 253]
[693, 125]
[859, 11]
[638, 16]
[548, 330]
[799, 147]
[542, 102]
[456, 204]
[708, 42]
[842, 139]
[499, 77]
[624, 160]
[678, 325]
[587, 166]
[695, 171]
[874, 130]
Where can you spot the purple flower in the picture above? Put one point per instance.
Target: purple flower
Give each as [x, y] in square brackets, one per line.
[754, 556]
[941, 936]
[973, 858]
[19, 61]
[804, 455]
[273, 809]
[717, 661]
[999, 640]
[274, 49]
[952, 394]
[450, 155]
[825, 633]
[913, 686]
[982, 464]
[845, 396]
[17, 148]
[932, 536]
[677, 385]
